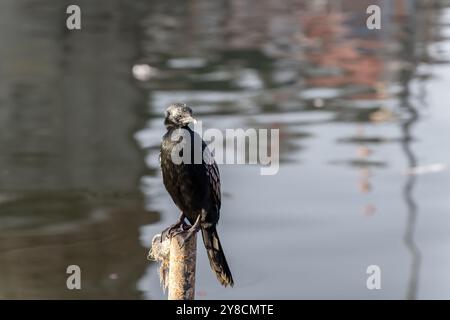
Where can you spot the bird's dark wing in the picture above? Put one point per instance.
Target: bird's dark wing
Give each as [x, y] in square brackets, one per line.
[212, 171]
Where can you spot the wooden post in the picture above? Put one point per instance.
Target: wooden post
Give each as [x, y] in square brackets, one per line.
[177, 270]
[182, 268]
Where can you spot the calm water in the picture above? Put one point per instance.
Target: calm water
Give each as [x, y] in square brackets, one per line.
[362, 115]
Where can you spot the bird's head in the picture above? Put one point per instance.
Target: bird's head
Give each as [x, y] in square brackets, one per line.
[178, 115]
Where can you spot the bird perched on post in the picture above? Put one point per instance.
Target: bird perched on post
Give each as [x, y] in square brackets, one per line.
[193, 184]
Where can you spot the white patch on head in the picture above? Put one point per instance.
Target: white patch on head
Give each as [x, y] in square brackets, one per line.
[178, 114]
[175, 112]
[175, 109]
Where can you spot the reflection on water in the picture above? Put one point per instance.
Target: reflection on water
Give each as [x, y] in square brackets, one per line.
[411, 205]
[408, 104]
[357, 110]
[69, 167]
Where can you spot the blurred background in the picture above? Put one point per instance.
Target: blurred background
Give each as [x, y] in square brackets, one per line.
[362, 115]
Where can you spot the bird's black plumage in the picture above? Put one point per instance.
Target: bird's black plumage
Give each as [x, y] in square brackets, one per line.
[194, 187]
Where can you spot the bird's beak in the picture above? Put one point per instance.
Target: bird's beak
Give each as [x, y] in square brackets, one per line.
[189, 119]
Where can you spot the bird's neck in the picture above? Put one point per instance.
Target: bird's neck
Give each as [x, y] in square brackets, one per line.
[171, 129]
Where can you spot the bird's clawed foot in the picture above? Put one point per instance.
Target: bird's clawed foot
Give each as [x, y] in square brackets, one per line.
[175, 229]
[181, 227]
[190, 232]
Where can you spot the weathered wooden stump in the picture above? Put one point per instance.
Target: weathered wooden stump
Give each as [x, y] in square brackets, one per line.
[177, 264]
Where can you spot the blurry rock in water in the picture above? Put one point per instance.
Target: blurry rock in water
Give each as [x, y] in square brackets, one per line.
[114, 276]
[144, 72]
[318, 103]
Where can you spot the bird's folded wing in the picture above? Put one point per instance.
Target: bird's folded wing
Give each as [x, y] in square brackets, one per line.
[213, 176]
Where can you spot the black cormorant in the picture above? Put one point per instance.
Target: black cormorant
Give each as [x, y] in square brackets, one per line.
[193, 185]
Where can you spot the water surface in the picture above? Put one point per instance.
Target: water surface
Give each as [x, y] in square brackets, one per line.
[362, 117]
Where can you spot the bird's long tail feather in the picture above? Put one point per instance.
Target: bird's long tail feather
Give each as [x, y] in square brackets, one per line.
[216, 256]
